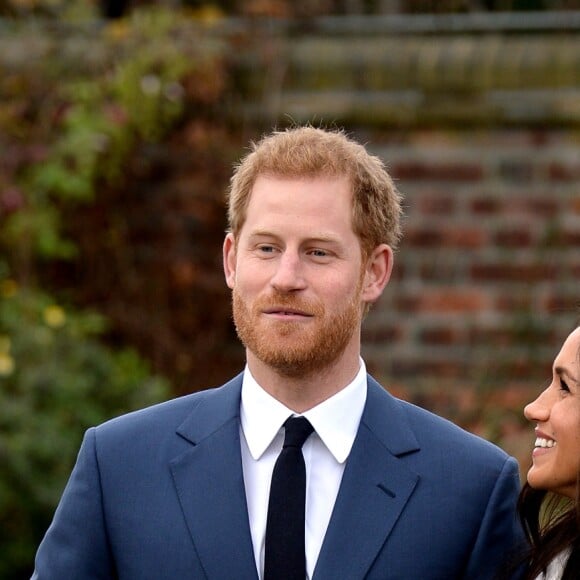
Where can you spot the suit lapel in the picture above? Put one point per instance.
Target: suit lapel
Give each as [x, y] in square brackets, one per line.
[209, 481]
[374, 490]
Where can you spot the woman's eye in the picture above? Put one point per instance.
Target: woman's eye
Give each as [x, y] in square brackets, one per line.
[564, 385]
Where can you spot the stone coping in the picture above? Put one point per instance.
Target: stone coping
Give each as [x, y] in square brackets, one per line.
[489, 77]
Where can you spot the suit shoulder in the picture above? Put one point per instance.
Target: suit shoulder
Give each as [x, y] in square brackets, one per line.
[168, 413]
[433, 430]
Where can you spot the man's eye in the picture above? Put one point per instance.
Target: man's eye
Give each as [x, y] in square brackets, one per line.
[564, 386]
[266, 249]
[319, 253]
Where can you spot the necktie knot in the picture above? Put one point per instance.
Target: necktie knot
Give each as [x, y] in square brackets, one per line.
[298, 429]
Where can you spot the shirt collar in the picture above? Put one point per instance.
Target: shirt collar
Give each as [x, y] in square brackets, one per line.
[335, 420]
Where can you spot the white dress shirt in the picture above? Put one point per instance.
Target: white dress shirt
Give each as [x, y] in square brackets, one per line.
[335, 423]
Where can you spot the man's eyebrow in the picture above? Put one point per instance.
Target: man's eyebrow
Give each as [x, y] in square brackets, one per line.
[316, 237]
[321, 238]
[262, 234]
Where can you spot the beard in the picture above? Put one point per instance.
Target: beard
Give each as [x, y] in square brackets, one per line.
[296, 349]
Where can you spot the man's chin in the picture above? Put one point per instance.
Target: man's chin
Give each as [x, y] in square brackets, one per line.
[279, 331]
[295, 368]
[291, 356]
[295, 359]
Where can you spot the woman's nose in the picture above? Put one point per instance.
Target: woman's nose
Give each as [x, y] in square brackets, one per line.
[539, 409]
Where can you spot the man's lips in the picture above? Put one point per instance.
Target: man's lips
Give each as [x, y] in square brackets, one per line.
[285, 311]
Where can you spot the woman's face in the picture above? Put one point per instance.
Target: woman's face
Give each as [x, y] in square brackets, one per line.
[556, 412]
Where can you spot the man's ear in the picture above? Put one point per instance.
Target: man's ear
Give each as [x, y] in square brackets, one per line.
[377, 273]
[229, 259]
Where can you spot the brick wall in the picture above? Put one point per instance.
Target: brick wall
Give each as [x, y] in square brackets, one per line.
[481, 131]
[487, 278]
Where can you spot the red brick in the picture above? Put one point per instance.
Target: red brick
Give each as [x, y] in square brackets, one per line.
[498, 336]
[383, 334]
[525, 369]
[441, 336]
[539, 139]
[514, 272]
[569, 237]
[465, 237]
[557, 302]
[423, 237]
[436, 204]
[515, 301]
[486, 205]
[445, 300]
[423, 170]
[544, 207]
[563, 172]
[454, 237]
[513, 238]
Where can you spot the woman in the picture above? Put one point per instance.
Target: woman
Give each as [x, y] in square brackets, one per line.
[549, 504]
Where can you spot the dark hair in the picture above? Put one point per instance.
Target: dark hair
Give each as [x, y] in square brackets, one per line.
[552, 524]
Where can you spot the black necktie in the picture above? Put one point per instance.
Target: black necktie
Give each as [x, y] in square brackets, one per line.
[285, 557]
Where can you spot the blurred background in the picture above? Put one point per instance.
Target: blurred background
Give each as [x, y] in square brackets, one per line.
[119, 125]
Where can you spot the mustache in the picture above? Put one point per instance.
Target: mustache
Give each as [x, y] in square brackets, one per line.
[277, 300]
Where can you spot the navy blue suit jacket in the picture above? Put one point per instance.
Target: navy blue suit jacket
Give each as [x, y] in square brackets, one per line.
[158, 494]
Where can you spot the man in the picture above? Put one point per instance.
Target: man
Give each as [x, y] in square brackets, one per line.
[181, 490]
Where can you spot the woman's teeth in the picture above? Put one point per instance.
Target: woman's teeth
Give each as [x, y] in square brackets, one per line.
[541, 442]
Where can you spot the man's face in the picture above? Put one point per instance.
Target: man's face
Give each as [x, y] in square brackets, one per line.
[297, 275]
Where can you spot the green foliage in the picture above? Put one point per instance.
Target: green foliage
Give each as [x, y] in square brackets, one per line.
[56, 379]
[134, 95]
[72, 11]
[68, 126]
[75, 103]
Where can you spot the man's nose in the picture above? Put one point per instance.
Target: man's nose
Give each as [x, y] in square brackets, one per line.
[289, 273]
